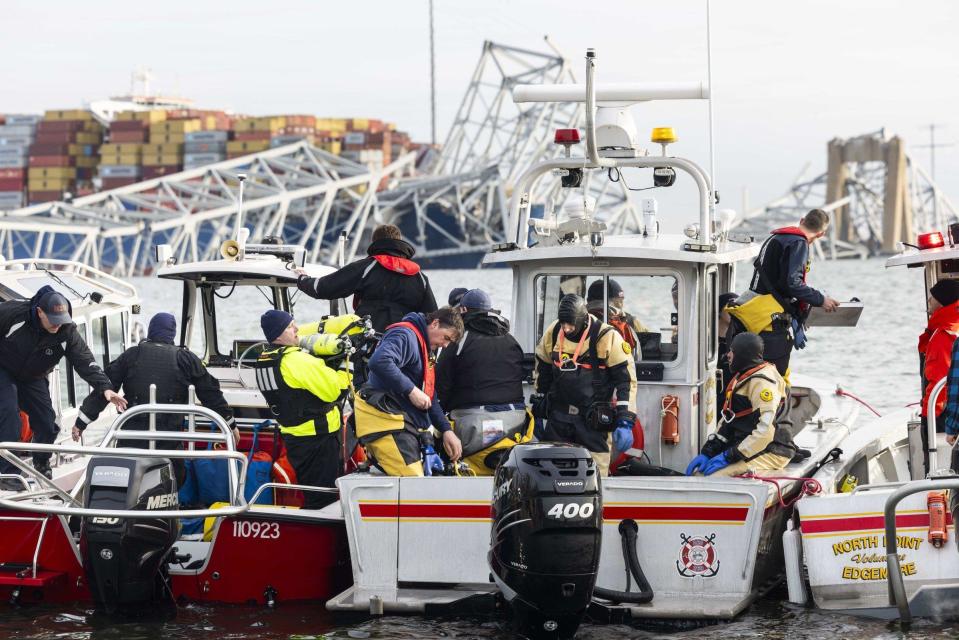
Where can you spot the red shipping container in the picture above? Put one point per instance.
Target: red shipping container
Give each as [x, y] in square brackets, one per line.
[128, 125]
[54, 126]
[11, 184]
[48, 149]
[252, 135]
[7, 174]
[129, 136]
[56, 137]
[52, 161]
[114, 183]
[33, 197]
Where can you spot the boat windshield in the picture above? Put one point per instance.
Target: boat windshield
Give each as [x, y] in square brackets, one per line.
[233, 311]
[32, 284]
[644, 304]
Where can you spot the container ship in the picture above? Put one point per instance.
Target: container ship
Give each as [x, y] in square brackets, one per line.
[113, 143]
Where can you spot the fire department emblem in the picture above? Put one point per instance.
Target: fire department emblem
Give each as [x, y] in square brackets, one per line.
[697, 556]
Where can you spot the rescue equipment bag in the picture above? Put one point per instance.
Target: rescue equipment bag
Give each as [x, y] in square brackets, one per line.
[484, 433]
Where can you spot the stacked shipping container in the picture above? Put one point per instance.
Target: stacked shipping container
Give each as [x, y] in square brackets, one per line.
[63, 156]
[62, 151]
[16, 136]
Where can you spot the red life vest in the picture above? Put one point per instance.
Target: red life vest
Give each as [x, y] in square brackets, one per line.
[398, 265]
[429, 374]
[625, 329]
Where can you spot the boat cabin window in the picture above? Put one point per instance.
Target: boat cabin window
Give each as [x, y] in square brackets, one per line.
[642, 308]
[98, 345]
[80, 388]
[115, 342]
[65, 375]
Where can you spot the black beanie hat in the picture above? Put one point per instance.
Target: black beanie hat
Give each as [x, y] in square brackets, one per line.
[945, 291]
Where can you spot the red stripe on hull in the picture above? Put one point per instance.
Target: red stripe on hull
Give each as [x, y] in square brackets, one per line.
[482, 511]
[865, 523]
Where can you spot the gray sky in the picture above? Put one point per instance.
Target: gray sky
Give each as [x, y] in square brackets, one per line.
[787, 76]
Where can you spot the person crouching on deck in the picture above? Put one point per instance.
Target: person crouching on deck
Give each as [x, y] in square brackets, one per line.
[747, 439]
[397, 405]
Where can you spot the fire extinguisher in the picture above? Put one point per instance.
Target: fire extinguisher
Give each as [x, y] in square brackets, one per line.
[669, 419]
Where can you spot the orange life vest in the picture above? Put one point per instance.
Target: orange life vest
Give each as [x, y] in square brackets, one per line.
[429, 374]
[625, 329]
[397, 265]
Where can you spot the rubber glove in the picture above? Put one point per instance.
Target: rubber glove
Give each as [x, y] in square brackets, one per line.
[698, 464]
[432, 463]
[623, 434]
[716, 463]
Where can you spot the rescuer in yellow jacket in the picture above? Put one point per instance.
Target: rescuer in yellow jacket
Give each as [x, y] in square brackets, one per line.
[302, 393]
[748, 438]
[582, 364]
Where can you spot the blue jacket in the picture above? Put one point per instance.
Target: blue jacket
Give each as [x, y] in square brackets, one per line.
[784, 258]
[397, 367]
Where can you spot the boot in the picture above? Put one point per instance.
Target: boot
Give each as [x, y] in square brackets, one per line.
[43, 466]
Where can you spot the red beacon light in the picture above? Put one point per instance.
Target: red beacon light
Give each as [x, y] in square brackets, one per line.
[566, 136]
[931, 240]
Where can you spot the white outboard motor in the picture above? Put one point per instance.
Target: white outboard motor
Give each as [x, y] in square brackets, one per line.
[546, 535]
[125, 559]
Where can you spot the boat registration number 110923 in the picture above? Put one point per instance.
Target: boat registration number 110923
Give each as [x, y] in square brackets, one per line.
[247, 529]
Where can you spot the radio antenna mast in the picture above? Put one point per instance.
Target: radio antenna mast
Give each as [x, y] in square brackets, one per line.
[712, 153]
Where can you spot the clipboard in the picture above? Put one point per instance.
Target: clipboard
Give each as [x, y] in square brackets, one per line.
[847, 315]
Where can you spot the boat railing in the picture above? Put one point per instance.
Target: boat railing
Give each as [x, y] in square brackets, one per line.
[69, 503]
[118, 286]
[291, 487]
[932, 445]
[894, 579]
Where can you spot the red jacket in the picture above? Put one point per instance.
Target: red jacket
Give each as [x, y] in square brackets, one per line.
[936, 344]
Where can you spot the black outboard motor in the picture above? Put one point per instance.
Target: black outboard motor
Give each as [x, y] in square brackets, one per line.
[125, 559]
[546, 535]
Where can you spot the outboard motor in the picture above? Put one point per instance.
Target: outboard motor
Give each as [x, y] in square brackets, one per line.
[546, 535]
[125, 558]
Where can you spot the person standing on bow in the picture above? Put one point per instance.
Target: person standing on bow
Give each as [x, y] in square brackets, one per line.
[396, 407]
[303, 395]
[936, 346]
[581, 363]
[386, 285]
[748, 438]
[778, 301]
[38, 333]
[479, 381]
[157, 361]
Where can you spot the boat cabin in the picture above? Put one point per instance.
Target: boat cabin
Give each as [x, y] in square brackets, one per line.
[222, 301]
[671, 292]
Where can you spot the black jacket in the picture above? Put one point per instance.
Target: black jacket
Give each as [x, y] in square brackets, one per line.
[783, 258]
[30, 352]
[485, 367]
[189, 370]
[386, 296]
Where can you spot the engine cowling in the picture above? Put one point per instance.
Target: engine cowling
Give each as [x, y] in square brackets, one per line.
[125, 558]
[546, 536]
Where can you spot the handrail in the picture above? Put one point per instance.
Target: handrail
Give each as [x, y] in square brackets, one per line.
[520, 199]
[897, 587]
[22, 502]
[282, 485]
[225, 436]
[120, 286]
[932, 446]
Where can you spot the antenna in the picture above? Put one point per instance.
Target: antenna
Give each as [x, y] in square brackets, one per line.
[432, 80]
[712, 153]
[239, 212]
